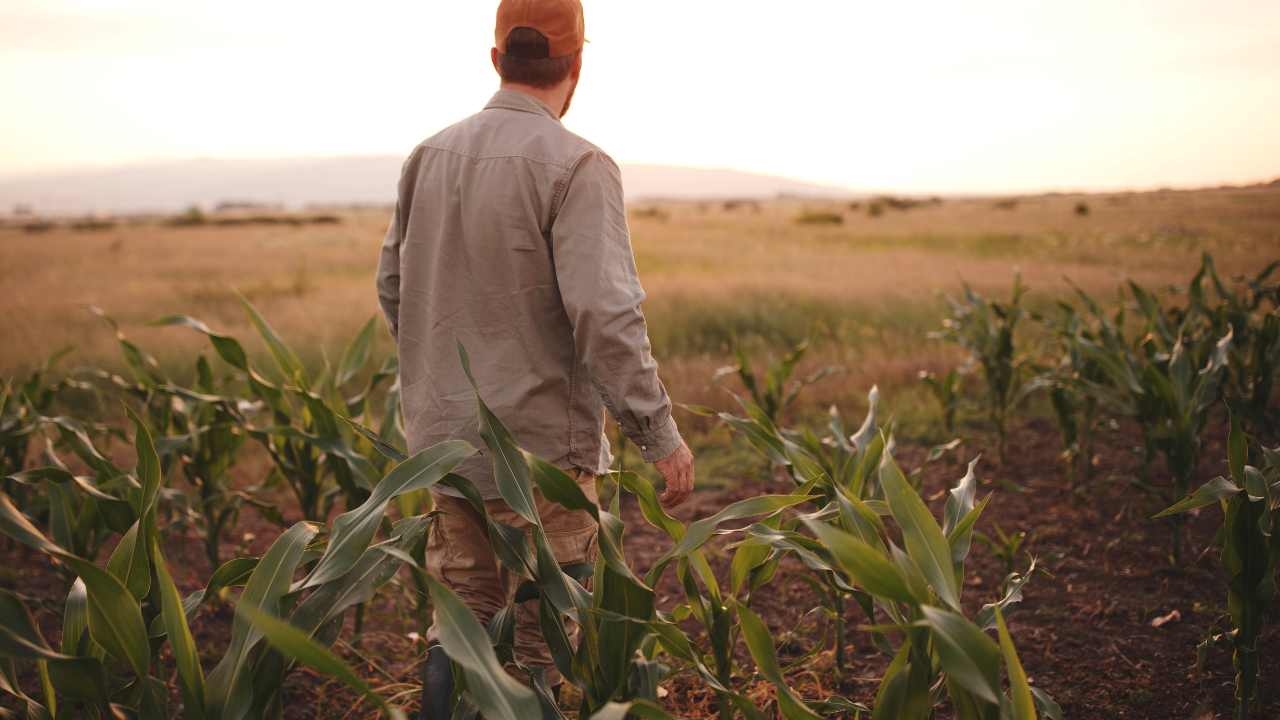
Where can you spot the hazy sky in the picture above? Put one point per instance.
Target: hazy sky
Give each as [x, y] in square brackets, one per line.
[915, 96]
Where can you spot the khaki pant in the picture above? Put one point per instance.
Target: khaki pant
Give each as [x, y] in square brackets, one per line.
[459, 556]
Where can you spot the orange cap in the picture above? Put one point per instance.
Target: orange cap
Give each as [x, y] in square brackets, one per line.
[559, 20]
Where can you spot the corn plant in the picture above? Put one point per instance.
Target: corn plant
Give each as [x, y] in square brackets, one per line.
[948, 390]
[119, 617]
[822, 468]
[773, 391]
[313, 450]
[82, 512]
[21, 406]
[1068, 382]
[1250, 546]
[722, 612]
[987, 329]
[918, 592]
[613, 615]
[1181, 376]
[200, 429]
[1250, 311]
[1004, 545]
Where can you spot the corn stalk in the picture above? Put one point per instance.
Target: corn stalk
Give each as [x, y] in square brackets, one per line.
[1250, 546]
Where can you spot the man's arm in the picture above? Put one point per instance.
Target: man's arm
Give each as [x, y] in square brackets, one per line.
[596, 272]
[389, 273]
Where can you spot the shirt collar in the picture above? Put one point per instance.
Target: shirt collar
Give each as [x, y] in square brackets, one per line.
[515, 100]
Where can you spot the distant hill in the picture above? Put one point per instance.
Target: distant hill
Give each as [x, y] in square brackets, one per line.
[174, 185]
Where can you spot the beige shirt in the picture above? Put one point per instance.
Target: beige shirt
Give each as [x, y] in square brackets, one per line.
[510, 236]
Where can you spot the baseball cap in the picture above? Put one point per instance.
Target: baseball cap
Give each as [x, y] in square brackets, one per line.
[560, 21]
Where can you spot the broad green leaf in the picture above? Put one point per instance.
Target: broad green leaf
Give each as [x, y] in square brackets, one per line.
[231, 573]
[354, 530]
[967, 655]
[114, 616]
[356, 355]
[181, 643]
[464, 639]
[867, 567]
[19, 636]
[925, 542]
[960, 499]
[1207, 494]
[130, 564]
[511, 472]
[760, 644]
[293, 643]
[285, 358]
[698, 533]
[230, 685]
[374, 569]
[148, 469]
[1019, 689]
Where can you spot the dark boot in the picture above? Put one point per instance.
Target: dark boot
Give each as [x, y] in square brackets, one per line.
[437, 686]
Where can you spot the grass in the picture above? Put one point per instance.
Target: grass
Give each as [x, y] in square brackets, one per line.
[867, 290]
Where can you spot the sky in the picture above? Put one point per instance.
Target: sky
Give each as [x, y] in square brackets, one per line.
[980, 96]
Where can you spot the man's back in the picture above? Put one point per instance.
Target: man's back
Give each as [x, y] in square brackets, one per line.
[510, 237]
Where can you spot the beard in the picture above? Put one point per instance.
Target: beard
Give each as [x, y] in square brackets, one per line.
[569, 99]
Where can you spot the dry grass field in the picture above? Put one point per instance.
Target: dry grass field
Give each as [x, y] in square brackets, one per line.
[865, 284]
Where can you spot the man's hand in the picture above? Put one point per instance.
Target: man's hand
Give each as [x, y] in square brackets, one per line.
[677, 469]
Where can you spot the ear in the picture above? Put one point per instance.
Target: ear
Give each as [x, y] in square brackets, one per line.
[493, 58]
[576, 71]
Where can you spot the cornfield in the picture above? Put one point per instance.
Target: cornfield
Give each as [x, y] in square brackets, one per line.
[843, 510]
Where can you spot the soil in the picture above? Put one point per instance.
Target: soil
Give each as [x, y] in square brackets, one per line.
[1084, 631]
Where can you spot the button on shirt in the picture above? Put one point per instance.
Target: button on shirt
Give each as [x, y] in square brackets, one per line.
[510, 237]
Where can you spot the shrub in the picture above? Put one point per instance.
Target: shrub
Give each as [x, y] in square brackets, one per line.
[819, 217]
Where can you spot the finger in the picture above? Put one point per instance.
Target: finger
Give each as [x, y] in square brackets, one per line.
[671, 497]
[682, 487]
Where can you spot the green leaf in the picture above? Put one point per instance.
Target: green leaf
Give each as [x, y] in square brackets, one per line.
[867, 567]
[148, 468]
[130, 563]
[354, 530]
[356, 355]
[698, 533]
[511, 472]
[968, 656]
[19, 635]
[925, 542]
[760, 644]
[285, 358]
[1019, 689]
[465, 641]
[114, 616]
[181, 643]
[293, 643]
[1207, 494]
[230, 685]
[231, 573]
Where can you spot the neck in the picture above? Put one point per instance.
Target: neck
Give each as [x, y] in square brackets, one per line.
[553, 98]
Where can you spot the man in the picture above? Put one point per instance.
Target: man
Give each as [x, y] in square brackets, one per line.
[510, 237]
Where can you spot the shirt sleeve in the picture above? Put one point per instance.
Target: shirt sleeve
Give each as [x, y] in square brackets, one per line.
[601, 292]
[389, 273]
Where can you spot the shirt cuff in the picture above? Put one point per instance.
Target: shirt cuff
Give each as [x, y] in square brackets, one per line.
[660, 443]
